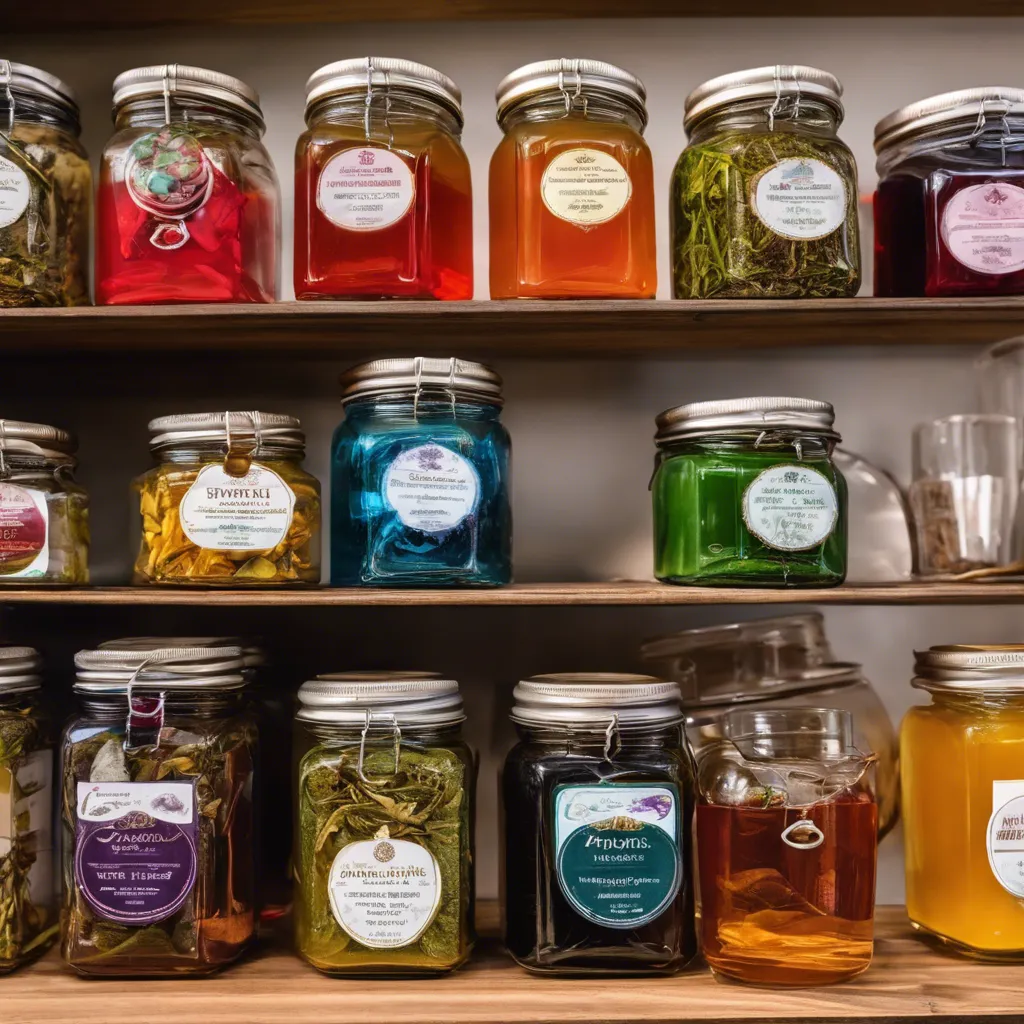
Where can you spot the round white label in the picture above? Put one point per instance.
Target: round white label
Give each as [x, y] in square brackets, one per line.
[14, 192]
[800, 198]
[365, 189]
[983, 228]
[585, 186]
[790, 508]
[431, 488]
[237, 513]
[384, 892]
[1005, 840]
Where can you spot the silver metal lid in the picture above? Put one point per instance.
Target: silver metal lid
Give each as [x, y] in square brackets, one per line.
[750, 415]
[265, 428]
[966, 107]
[186, 81]
[571, 76]
[778, 82]
[455, 376]
[112, 670]
[360, 698]
[369, 74]
[17, 436]
[19, 668]
[997, 668]
[25, 80]
[593, 698]
[253, 654]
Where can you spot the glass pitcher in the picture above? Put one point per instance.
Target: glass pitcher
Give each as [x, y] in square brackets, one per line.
[787, 826]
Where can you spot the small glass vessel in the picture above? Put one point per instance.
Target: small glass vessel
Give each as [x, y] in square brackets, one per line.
[786, 842]
[746, 494]
[46, 194]
[228, 502]
[44, 514]
[160, 757]
[420, 477]
[572, 185]
[188, 208]
[764, 197]
[28, 896]
[383, 192]
[384, 833]
[601, 767]
[963, 800]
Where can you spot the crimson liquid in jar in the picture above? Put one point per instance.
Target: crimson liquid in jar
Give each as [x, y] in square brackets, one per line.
[383, 198]
[949, 210]
[188, 208]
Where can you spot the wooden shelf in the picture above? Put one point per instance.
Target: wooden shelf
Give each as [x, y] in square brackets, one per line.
[907, 981]
[518, 328]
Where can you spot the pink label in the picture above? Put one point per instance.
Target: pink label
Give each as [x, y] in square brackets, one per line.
[983, 228]
[22, 526]
[365, 189]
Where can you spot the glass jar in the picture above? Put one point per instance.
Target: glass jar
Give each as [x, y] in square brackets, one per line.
[963, 800]
[746, 494]
[158, 774]
[28, 898]
[601, 765]
[764, 197]
[420, 477]
[44, 514]
[384, 834]
[188, 208]
[777, 663]
[572, 185]
[45, 192]
[949, 209]
[787, 844]
[228, 502]
[383, 193]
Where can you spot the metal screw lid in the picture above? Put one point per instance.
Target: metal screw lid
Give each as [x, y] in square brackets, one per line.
[252, 653]
[186, 81]
[270, 428]
[19, 668]
[571, 76]
[34, 83]
[803, 415]
[454, 376]
[970, 668]
[776, 82]
[369, 74]
[407, 698]
[592, 698]
[112, 670]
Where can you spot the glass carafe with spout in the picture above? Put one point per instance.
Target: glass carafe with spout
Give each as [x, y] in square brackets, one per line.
[787, 827]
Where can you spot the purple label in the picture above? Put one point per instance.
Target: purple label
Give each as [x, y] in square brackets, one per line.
[135, 849]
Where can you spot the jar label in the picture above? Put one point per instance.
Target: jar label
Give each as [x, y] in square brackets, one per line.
[983, 228]
[365, 189]
[24, 532]
[585, 187]
[384, 892]
[432, 488]
[790, 508]
[617, 856]
[26, 812]
[237, 513]
[799, 198]
[15, 192]
[1005, 835]
[135, 848]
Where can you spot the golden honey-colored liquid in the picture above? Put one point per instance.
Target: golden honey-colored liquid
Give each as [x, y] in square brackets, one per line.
[950, 755]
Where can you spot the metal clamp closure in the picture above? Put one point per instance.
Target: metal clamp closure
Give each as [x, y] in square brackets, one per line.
[368, 104]
[784, 106]
[396, 733]
[145, 718]
[576, 95]
[6, 95]
[238, 460]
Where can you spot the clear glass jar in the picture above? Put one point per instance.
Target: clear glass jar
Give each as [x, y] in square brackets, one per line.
[949, 209]
[44, 514]
[572, 185]
[158, 774]
[746, 494]
[787, 832]
[228, 502]
[963, 801]
[188, 208]
[28, 893]
[420, 477]
[764, 197]
[383, 191]
[46, 199]
[384, 833]
[601, 765]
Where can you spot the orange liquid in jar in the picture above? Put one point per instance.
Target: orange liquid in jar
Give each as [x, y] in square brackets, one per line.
[536, 253]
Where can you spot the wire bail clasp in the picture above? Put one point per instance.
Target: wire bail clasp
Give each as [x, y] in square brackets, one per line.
[576, 95]
[396, 733]
[6, 95]
[236, 461]
[145, 715]
[784, 73]
[612, 738]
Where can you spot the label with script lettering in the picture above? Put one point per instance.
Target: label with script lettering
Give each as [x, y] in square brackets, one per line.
[585, 187]
[1005, 835]
[237, 513]
[432, 488]
[790, 508]
[14, 192]
[365, 189]
[799, 198]
[135, 848]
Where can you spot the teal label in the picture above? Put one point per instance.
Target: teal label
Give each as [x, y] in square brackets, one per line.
[617, 855]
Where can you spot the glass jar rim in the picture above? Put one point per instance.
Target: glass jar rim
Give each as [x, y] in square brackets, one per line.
[747, 415]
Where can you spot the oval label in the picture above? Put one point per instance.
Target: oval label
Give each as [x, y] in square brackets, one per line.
[1005, 838]
[800, 198]
[365, 189]
[24, 531]
[983, 228]
[585, 187]
[432, 488]
[790, 508]
[15, 192]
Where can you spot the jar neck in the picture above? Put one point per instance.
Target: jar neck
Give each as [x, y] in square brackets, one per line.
[38, 110]
[336, 734]
[792, 445]
[558, 106]
[383, 110]
[24, 468]
[979, 701]
[215, 451]
[428, 406]
[990, 142]
[18, 701]
[600, 741]
[808, 117]
[186, 704]
[151, 112]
